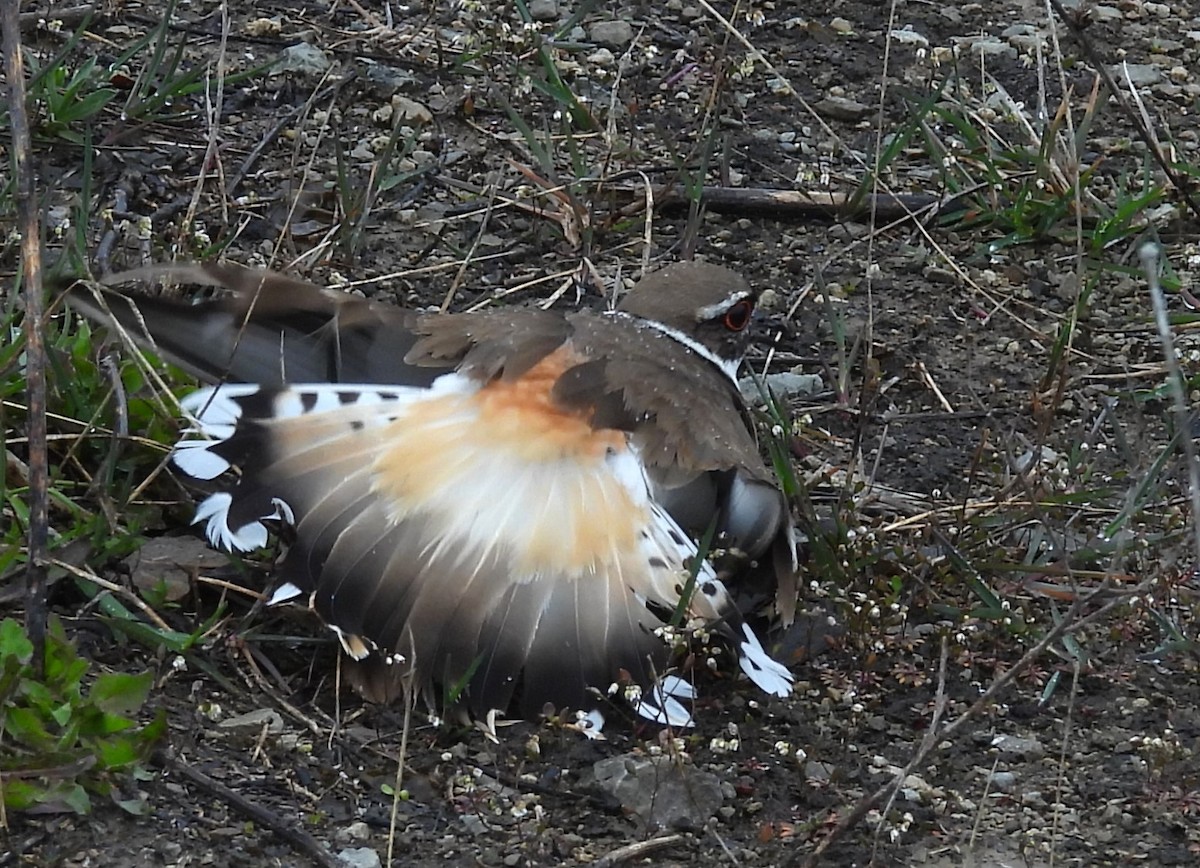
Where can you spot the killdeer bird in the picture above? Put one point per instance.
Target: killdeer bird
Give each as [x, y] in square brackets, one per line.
[506, 500]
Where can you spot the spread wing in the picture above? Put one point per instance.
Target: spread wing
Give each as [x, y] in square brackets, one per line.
[272, 329]
[478, 498]
[464, 534]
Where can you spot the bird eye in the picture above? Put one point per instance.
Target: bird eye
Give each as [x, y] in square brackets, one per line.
[738, 316]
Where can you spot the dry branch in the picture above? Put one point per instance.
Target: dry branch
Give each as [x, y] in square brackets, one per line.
[767, 202]
[300, 840]
[35, 351]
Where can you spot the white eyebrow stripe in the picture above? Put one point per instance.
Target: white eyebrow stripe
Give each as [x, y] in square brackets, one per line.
[712, 311]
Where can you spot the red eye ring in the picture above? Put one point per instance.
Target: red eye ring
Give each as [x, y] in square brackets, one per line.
[738, 316]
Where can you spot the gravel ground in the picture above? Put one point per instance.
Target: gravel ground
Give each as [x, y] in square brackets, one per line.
[1086, 757]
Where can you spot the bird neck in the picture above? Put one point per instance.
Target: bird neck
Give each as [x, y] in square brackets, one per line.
[729, 367]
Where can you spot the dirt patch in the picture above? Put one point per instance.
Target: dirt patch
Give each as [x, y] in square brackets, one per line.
[1091, 764]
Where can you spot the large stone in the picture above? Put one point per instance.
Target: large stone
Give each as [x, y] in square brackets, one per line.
[359, 857]
[614, 34]
[660, 791]
[543, 10]
[303, 59]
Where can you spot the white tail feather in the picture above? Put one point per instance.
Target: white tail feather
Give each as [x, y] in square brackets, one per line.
[499, 503]
[662, 705]
[764, 670]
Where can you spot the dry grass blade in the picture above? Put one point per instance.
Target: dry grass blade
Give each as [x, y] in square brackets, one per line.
[1177, 383]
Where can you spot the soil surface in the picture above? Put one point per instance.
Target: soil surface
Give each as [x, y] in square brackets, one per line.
[948, 448]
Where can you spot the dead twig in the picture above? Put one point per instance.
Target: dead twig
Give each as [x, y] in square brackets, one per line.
[68, 17]
[299, 840]
[467, 260]
[765, 201]
[266, 687]
[35, 350]
[113, 588]
[636, 850]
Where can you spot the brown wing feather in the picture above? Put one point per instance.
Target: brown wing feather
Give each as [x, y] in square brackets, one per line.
[272, 329]
[488, 345]
[688, 420]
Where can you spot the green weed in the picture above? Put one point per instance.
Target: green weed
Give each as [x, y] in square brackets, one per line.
[63, 100]
[163, 81]
[68, 737]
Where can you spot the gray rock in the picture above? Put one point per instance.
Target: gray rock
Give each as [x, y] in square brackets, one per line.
[1019, 29]
[302, 58]
[986, 46]
[356, 831]
[388, 78]
[268, 717]
[783, 385]
[1033, 799]
[819, 772]
[1005, 782]
[1141, 74]
[614, 34]
[1027, 43]
[1101, 12]
[843, 108]
[1015, 745]
[602, 57]
[411, 110]
[359, 857]
[543, 10]
[474, 824]
[659, 791]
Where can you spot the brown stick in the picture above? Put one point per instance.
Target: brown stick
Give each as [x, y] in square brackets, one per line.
[35, 352]
[70, 17]
[636, 850]
[300, 840]
[764, 201]
[788, 203]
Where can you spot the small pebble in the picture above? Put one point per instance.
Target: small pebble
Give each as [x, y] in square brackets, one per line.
[1004, 782]
[601, 57]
